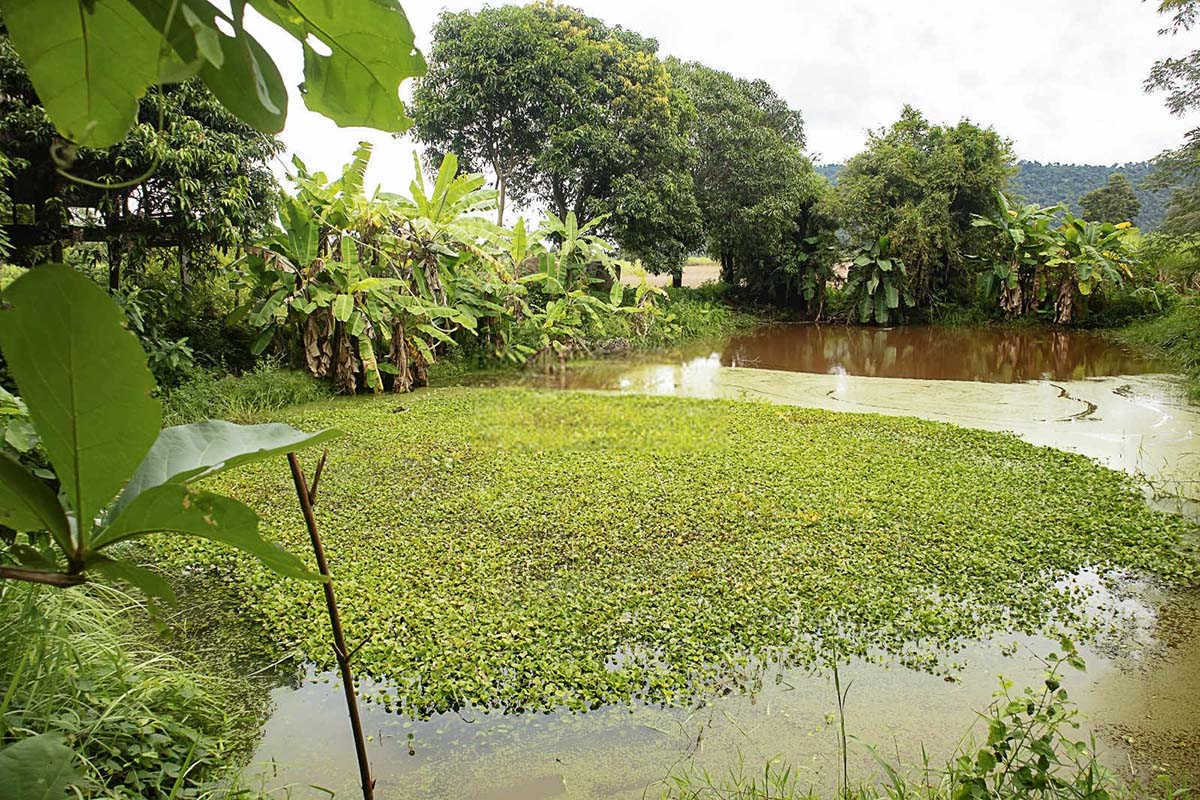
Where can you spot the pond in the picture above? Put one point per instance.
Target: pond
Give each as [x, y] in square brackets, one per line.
[1068, 390]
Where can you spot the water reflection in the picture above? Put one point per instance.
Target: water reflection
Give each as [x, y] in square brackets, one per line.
[994, 355]
[619, 752]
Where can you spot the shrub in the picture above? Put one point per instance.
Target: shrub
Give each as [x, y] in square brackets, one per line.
[72, 662]
[1175, 335]
[240, 398]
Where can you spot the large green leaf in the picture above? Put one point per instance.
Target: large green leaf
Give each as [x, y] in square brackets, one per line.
[39, 767]
[148, 581]
[371, 51]
[28, 504]
[84, 378]
[90, 62]
[187, 453]
[237, 69]
[176, 508]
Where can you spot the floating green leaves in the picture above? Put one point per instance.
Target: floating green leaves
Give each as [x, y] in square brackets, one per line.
[526, 550]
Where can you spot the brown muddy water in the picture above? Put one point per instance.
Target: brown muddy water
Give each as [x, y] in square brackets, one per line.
[1069, 390]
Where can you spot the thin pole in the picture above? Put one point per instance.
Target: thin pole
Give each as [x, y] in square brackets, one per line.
[335, 622]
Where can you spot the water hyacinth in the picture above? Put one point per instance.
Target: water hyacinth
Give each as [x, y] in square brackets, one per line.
[524, 550]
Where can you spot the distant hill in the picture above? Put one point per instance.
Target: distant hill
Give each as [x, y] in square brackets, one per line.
[1049, 184]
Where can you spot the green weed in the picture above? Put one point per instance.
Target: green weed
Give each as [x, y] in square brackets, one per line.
[524, 550]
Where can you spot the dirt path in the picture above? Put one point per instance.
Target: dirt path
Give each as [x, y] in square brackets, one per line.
[693, 276]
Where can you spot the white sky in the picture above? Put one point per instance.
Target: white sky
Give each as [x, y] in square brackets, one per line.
[1062, 79]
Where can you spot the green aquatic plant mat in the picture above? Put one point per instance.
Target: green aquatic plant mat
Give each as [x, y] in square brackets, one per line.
[525, 550]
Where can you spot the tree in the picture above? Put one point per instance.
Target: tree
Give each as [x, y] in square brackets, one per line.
[570, 112]
[480, 102]
[758, 195]
[1114, 202]
[208, 184]
[919, 185]
[1179, 169]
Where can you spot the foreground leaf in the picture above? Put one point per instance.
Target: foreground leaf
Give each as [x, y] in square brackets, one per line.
[186, 453]
[372, 50]
[28, 504]
[84, 378]
[176, 508]
[89, 62]
[237, 69]
[148, 581]
[40, 767]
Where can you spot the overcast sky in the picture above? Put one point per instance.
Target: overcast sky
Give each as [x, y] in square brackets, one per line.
[1062, 79]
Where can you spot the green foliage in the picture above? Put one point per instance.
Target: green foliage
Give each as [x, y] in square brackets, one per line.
[919, 185]
[476, 101]
[209, 183]
[1033, 263]
[570, 111]
[1066, 184]
[375, 288]
[530, 562]
[1026, 240]
[76, 669]
[90, 62]
[240, 398]
[760, 200]
[1179, 78]
[1114, 202]
[1063, 184]
[1175, 335]
[84, 378]
[876, 283]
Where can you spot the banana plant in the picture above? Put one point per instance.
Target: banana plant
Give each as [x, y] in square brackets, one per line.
[120, 477]
[1027, 240]
[876, 283]
[1091, 255]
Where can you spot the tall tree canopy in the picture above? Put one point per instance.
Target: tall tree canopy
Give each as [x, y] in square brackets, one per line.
[758, 194]
[1113, 202]
[1179, 78]
[919, 185]
[207, 181]
[480, 101]
[570, 112]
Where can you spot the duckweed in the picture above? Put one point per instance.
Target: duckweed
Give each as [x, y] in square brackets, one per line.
[524, 550]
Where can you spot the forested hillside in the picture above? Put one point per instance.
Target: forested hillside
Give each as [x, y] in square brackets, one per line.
[1048, 184]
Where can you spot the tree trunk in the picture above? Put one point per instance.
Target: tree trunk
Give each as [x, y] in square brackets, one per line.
[1064, 305]
[318, 342]
[345, 365]
[502, 187]
[183, 269]
[398, 357]
[677, 277]
[114, 265]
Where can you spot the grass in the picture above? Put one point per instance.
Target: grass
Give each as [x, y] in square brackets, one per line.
[78, 663]
[240, 398]
[527, 550]
[1175, 335]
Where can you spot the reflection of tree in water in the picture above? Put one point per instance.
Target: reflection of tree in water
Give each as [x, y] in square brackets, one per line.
[979, 354]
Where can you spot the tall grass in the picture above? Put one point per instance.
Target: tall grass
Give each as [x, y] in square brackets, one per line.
[1175, 336]
[240, 398]
[142, 722]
